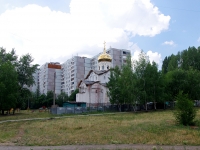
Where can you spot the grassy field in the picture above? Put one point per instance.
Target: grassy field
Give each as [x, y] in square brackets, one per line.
[25, 114]
[120, 128]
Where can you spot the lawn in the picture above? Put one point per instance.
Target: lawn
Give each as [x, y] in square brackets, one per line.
[25, 114]
[121, 128]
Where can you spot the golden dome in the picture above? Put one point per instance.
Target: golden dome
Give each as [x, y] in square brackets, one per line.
[104, 56]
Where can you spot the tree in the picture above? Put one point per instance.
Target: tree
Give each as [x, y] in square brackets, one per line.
[186, 81]
[128, 84]
[114, 87]
[165, 65]
[25, 72]
[62, 97]
[184, 110]
[10, 56]
[154, 83]
[139, 70]
[8, 86]
[72, 97]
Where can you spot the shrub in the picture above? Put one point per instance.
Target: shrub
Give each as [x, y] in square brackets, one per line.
[184, 110]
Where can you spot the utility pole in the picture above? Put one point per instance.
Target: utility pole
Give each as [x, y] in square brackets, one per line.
[54, 94]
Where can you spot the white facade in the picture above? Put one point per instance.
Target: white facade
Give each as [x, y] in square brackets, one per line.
[93, 89]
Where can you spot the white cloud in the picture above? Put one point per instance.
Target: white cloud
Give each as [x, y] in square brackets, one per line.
[198, 39]
[153, 56]
[55, 36]
[171, 43]
[156, 57]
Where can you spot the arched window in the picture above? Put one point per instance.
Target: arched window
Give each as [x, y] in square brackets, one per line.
[107, 67]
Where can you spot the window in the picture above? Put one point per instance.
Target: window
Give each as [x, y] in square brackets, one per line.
[107, 67]
[124, 52]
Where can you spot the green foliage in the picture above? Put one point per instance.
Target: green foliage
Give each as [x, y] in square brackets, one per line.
[25, 70]
[72, 97]
[186, 60]
[182, 80]
[136, 83]
[114, 86]
[20, 74]
[127, 82]
[149, 81]
[185, 111]
[62, 97]
[8, 86]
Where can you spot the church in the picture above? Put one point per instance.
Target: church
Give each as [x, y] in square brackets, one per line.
[92, 89]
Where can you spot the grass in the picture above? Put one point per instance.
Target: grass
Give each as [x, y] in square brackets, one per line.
[25, 114]
[121, 128]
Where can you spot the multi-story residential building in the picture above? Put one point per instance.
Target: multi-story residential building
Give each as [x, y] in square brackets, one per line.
[71, 72]
[50, 78]
[118, 57]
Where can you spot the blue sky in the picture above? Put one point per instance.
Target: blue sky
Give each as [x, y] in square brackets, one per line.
[183, 29]
[57, 30]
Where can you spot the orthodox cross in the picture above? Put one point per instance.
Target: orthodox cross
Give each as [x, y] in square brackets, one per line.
[104, 47]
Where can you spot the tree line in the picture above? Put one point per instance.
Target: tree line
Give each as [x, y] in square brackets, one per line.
[40, 100]
[139, 82]
[16, 76]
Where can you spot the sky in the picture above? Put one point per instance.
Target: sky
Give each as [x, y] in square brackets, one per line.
[54, 31]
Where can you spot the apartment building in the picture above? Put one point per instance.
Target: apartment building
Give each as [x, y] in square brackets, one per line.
[118, 57]
[50, 77]
[73, 71]
[70, 73]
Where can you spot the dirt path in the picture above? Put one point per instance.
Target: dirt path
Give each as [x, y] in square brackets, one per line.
[101, 147]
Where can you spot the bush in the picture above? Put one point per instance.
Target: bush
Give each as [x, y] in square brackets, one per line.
[184, 110]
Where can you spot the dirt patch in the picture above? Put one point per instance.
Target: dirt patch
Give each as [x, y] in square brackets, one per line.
[194, 127]
[7, 144]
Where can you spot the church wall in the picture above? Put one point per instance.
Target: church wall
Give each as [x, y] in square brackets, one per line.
[104, 78]
[97, 96]
[83, 97]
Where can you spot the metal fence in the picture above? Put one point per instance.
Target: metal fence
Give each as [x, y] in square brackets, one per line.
[102, 108]
[115, 108]
[79, 110]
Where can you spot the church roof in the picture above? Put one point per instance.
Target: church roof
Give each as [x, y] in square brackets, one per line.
[104, 84]
[90, 82]
[87, 82]
[104, 56]
[98, 72]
